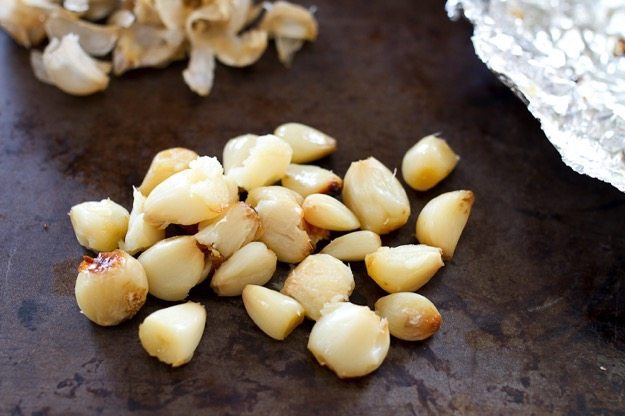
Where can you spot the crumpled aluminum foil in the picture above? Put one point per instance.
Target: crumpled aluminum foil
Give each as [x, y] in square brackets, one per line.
[566, 60]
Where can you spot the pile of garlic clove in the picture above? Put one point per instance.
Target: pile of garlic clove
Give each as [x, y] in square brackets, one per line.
[89, 39]
[238, 244]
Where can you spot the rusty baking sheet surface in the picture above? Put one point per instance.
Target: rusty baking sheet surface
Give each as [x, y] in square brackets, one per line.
[533, 302]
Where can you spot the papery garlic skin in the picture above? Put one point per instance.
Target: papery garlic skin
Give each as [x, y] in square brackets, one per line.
[442, 220]
[310, 179]
[94, 39]
[140, 234]
[353, 246]
[349, 339]
[428, 162]
[404, 268]
[110, 288]
[410, 316]
[308, 143]
[173, 266]
[164, 164]
[277, 315]
[317, 280]
[99, 226]
[191, 196]
[71, 69]
[373, 193]
[173, 334]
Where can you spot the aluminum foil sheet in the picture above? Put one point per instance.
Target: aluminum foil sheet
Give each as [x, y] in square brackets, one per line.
[566, 60]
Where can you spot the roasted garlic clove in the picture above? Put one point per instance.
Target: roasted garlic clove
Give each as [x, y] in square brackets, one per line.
[353, 246]
[99, 226]
[308, 144]
[310, 179]
[328, 213]
[277, 315]
[410, 316]
[164, 164]
[140, 234]
[428, 162]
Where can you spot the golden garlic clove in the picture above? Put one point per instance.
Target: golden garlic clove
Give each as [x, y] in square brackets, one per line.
[140, 234]
[375, 195]
[308, 144]
[191, 196]
[309, 179]
[428, 162]
[253, 264]
[164, 164]
[403, 268]
[328, 213]
[277, 315]
[410, 316]
[317, 280]
[353, 246]
[237, 150]
[173, 266]
[99, 226]
[110, 288]
[273, 193]
[173, 334]
[442, 220]
[349, 339]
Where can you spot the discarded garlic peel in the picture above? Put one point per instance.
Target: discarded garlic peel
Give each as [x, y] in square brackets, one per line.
[308, 144]
[428, 162]
[239, 225]
[96, 40]
[146, 13]
[373, 193]
[253, 264]
[309, 179]
[328, 213]
[172, 334]
[99, 9]
[404, 268]
[173, 13]
[240, 51]
[288, 20]
[442, 220]
[317, 280]
[39, 69]
[353, 246]
[173, 266]
[70, 68]
[272, 193]
[410, 316]
[99, 226]
[265, 164]
[351, 340]
[110, 288]
[277, 315]
[24, 22]
[200, 72]
[284, 229]
[287, 47]
[164, 164]
[193, 195]
[121, 18]
[140, 234]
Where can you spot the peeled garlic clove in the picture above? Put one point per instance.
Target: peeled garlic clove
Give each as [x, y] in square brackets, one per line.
[110, 288]
[24, 22]
[237, 150]
[173, 266]
[239, 225]
[265, 164]
[410, 316]
[325, 212]
[164, 164]
[96, 40]
[99, 226]
[190, 196]
[442, 220]
[282, 220]
[172, 334]
[253, 264]
[428, 162]
[308, 144]
[353, 246]
[70, 68]
[309, 179]
[277, 315]
[140, 234]
[317, 280]
[349, 339]
[375, 195]
[403, 268]
[240, 51]
[284, 19]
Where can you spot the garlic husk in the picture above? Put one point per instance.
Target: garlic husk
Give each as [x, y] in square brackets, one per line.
[404, 268]
[96, 40]
[71, 69]
[24, 22]
[277, 315]
[173, 334]
[349, 339]
[410, 316]
[140, 234]
[308, 143]
[442, 220]
[287, 48]
[99, 225]
[164, 164]
[310, 179]
[242, 50]
[284, 19]
[353, 246]
[110, 288]
[373, 193]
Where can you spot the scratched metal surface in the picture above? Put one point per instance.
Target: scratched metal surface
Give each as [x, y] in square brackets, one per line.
[533, 302]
